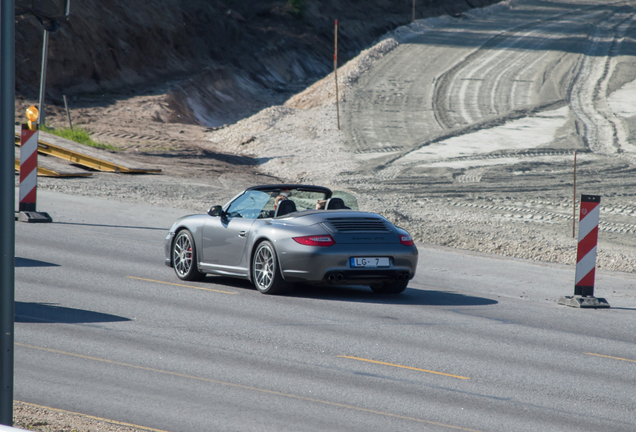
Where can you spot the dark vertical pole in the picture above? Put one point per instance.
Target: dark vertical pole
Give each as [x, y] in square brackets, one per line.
[7, 206]
[335, 71]
[68, 113]
[574, 200]
[45, 54]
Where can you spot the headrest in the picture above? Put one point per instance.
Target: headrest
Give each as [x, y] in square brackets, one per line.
[285, 207]
[335, 204]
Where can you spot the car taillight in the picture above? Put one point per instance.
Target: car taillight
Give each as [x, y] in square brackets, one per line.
[406, 240]
[315, 240]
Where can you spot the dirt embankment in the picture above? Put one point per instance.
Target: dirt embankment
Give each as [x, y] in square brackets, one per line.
[222, 60]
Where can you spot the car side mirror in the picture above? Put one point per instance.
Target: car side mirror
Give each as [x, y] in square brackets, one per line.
[215, 211]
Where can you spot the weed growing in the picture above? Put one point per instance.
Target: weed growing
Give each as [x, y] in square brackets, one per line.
[78, 135]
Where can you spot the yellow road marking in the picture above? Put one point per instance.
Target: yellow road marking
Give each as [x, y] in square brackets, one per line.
[93, 417]
[615, 358]
[260, 390]
[181, 285]
[404, 367]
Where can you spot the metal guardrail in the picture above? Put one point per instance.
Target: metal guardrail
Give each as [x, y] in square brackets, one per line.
[85, 160]
[45, 172]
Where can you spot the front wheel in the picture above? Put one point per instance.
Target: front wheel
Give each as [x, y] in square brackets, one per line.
[395, 287]
[184, 257]
[265, 272]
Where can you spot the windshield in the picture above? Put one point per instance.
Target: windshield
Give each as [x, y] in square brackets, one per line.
[249, 205]
[255, 204]
[304, 200]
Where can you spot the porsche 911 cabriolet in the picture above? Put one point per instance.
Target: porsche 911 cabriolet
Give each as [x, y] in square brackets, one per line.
[279, 235]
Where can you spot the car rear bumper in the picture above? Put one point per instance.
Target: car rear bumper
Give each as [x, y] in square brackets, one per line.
[315, 264]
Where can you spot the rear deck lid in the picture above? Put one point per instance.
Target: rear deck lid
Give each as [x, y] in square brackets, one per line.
[360, 230]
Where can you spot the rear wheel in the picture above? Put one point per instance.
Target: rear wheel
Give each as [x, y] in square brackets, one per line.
[395, 287]
[184, 257]
[265, 272]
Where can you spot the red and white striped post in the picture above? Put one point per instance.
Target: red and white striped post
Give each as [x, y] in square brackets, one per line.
[586, 256]
[29, 171]
[28, 168]
[586, 250]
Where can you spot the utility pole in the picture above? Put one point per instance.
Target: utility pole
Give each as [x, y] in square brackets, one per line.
[335, 72]
[45, 53]
[7, 207]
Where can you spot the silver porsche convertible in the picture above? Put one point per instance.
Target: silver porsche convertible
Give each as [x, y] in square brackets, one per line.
[279, 235]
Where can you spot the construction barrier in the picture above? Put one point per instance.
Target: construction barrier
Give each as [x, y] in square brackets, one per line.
[29, 176]
[586, 257]
[28, 168]
[586, 249]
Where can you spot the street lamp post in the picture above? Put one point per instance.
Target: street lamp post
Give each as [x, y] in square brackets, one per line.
[7, 207]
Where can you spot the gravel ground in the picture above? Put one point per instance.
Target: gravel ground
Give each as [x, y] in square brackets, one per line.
[37, 418]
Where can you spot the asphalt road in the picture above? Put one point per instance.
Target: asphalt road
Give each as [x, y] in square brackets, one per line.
[475, 343]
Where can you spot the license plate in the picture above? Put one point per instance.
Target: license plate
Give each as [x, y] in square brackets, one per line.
[370, 262]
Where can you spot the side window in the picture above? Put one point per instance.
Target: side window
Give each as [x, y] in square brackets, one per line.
[248, 205]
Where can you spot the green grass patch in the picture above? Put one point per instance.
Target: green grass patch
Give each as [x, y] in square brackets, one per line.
[298, 6]
[79, 135]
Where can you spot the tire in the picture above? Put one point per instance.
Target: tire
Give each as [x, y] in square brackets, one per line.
[184, 257]
[266, 274]
[390, 287]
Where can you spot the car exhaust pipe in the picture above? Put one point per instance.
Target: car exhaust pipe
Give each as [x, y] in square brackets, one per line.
[332, 277]
[340, 276]
[400, 277]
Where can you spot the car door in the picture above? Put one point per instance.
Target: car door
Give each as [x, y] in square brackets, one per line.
[225, 237]
[224, 240]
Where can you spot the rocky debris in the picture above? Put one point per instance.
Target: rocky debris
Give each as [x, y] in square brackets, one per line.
[41, 419]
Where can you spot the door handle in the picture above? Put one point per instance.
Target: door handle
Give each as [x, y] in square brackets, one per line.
[242, 233]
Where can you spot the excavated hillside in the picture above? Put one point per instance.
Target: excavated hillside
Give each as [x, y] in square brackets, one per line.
[217, 61]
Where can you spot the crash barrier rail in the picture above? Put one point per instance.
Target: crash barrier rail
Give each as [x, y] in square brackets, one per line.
[85, 160]
[45, 172]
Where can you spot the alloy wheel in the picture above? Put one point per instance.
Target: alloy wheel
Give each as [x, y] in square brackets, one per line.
[264, 267]
[182, 255]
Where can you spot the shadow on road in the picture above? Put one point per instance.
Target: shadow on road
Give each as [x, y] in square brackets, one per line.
[411, 296]
[26, 262]
[112, 226]
[363, 294]
[26, 312]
